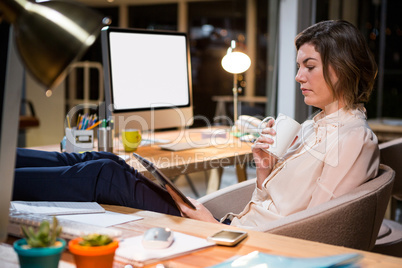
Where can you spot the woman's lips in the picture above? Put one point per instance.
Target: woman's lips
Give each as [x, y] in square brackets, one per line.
[305, 90]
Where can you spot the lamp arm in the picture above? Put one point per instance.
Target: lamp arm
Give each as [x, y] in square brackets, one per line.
[10, 9]
[9, 131]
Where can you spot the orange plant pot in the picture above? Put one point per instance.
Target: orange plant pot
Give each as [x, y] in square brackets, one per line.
[93, 257]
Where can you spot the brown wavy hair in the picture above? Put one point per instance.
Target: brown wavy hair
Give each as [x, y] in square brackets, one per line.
[343, 47]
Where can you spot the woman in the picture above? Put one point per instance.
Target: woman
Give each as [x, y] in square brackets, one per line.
[334, 152]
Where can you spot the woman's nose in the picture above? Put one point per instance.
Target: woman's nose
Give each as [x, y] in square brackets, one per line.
[299, 78]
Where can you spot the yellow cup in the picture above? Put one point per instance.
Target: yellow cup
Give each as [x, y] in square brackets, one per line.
[131, 139]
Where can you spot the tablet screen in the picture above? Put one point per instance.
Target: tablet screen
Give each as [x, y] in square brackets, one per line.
[162, 179]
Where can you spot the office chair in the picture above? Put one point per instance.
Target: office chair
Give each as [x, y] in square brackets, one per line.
[389, 240]
[351, 220]
[28, 119]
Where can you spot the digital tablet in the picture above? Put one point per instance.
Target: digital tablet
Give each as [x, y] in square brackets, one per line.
[162, 179]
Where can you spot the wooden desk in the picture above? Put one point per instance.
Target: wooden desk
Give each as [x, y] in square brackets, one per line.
[172, 164]
[264, 242]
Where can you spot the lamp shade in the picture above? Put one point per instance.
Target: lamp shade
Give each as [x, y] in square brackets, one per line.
[236, 62]
[51, 35]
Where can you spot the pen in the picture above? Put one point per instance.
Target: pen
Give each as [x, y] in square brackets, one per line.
[86, 123]
[68, 121]
[94, 125]
[104, 123]
[78, 121]
[81, 123]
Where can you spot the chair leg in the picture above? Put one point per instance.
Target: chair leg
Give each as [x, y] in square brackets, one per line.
[241, 172]
[206, 174]
[214, 181]
[396, 210]
[190, 182]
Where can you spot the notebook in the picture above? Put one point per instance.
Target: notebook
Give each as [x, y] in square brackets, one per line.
[259, 259]
[56, 208]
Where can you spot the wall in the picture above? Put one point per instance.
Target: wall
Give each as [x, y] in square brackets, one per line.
[50, 112]
[287, 56]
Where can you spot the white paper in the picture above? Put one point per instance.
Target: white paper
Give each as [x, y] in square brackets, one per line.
[130, 250]
[106, 219]
[56, 208]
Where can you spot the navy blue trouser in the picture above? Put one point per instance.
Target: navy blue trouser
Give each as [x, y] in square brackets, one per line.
[89, 177]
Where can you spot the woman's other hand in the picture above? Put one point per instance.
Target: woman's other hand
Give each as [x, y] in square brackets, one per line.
[200, 213]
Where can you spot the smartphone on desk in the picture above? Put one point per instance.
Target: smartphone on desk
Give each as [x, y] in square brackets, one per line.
[227, 237]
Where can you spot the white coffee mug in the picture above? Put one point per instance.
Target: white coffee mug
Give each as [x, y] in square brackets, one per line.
[286, 130]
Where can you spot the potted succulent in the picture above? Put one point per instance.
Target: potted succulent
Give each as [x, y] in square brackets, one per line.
[93, 250]
[42, 248]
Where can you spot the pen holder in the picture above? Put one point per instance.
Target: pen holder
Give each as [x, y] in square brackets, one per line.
[79, 140]
[105, 139]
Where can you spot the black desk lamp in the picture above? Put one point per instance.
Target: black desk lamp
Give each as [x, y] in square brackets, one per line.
[49, 36]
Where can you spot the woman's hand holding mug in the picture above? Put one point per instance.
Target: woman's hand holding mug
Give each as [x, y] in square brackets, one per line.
[276, 136]
[281, 133]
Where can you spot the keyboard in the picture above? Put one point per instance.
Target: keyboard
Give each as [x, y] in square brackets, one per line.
[180, 146]
[70, 229]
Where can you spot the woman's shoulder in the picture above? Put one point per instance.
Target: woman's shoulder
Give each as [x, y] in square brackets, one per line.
[357, 129]
[348, 125]
[354, 120]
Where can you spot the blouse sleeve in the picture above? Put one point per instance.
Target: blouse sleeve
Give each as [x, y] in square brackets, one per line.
[348, 165]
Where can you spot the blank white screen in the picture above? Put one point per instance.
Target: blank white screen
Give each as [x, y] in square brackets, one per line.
[148, 70]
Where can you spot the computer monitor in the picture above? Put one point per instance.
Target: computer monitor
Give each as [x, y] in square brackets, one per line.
[147, 78]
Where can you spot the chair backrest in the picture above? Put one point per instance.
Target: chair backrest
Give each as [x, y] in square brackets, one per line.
[351, 220]
[234, 197]
[391, 155]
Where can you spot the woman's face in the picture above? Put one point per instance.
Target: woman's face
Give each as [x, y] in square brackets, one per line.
[311, 78]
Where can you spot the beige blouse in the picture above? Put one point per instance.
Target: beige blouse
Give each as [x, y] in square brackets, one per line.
[332, 155]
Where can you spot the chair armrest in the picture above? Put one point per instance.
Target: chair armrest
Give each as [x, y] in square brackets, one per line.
[351, 220]
[325, 224]
[235, 198]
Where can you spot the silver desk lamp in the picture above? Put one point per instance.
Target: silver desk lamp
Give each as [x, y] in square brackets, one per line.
[48, 36]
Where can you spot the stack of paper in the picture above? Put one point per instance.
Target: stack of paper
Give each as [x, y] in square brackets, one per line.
[56, 208]
[131, 251]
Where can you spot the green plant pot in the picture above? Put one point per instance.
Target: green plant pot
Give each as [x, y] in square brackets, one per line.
[38, 257]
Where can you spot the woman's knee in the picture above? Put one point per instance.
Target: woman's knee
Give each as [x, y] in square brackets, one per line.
[108, 164]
